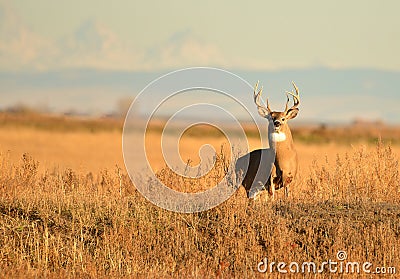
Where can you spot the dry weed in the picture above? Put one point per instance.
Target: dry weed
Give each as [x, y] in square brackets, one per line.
[70, 224]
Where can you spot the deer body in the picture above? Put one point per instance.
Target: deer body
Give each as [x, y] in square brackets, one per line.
[286, 162]
[285, 165]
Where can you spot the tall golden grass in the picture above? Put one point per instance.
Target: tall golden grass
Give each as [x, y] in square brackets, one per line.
[65, 223]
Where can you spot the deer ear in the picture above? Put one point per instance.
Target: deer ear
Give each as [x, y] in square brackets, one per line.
[292, 113]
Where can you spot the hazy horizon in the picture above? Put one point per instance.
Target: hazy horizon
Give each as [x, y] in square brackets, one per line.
[86, 57]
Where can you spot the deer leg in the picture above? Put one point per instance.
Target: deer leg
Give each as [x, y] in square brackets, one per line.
[287, 180]
[271, 187]
[287, 191]
[271, 183]
[277, 182]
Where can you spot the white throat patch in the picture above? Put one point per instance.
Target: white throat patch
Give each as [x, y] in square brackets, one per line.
[278, 136]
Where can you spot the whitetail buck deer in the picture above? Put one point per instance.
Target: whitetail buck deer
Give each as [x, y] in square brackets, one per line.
[264, 172]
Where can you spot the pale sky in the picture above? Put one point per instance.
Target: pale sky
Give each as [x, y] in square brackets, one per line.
[49, 35]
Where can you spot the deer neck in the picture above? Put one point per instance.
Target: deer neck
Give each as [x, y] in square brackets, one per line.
[283, 138]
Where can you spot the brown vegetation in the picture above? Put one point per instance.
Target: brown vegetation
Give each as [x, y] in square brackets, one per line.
[64, 222]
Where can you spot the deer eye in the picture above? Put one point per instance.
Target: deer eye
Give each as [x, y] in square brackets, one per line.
[283, 119]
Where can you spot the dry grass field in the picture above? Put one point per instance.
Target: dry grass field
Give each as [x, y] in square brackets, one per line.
[69, 210]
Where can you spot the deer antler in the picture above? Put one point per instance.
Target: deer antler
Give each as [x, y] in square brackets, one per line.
[296, 98]
[262, 109]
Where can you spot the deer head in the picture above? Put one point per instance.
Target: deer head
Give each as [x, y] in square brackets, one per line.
[279, 118]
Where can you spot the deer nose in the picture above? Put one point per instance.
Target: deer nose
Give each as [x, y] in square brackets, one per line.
[277, 123]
